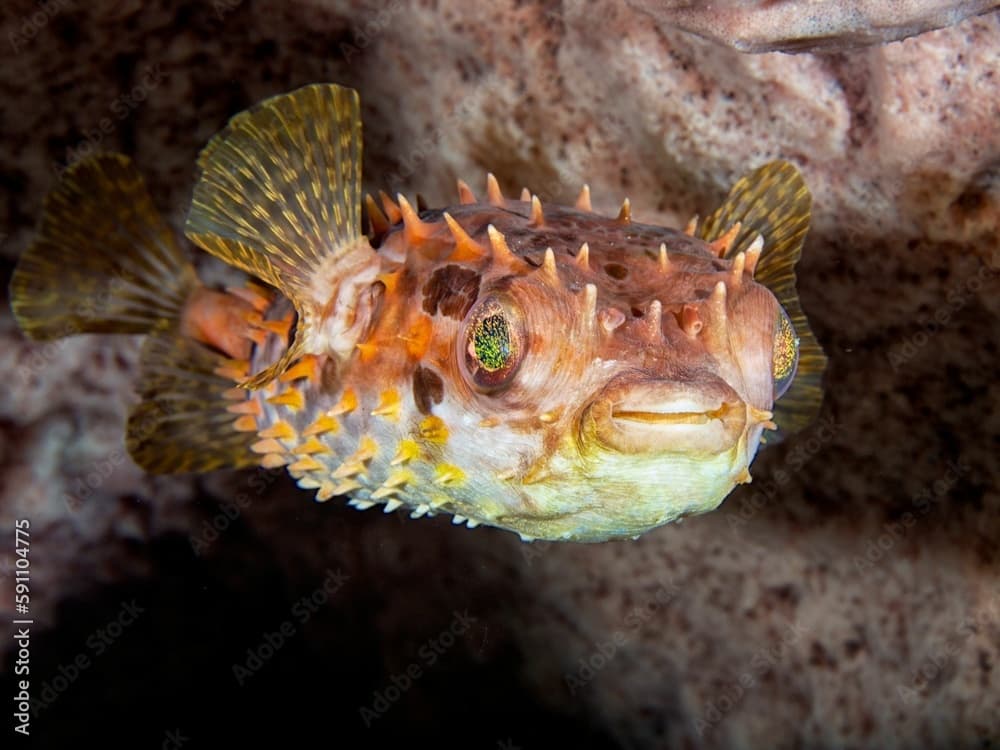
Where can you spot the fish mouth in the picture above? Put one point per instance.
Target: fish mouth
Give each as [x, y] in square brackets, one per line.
[705, 416]
[671, 417]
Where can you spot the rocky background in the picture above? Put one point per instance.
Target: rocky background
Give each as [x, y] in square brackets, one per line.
[849, 597]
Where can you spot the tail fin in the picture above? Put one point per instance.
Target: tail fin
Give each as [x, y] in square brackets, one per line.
[104, 260]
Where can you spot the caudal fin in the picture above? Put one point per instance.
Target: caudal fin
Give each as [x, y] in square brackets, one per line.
[103, 261]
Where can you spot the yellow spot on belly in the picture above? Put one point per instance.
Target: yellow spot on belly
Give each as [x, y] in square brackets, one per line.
[322, 425]
[269, 445]
[549, 416]
[291, 398]
[367, 351]
[406, 452]
[306, 464]
[389, 405]
[245, 424]
[310, 446]
[448, 475]
[280, 429]
[434, 430]
[274, 460]
[348, 403]
[307, 367]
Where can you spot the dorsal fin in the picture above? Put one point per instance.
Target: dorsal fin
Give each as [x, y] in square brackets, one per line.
[774, 202]
[279, 196]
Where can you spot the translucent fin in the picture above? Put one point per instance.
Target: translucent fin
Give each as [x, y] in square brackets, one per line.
[774, 202]
[183, 423]
[279, 196]
[104, 260]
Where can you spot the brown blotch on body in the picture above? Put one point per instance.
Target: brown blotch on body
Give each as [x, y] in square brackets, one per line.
[329, 378]
[451, 290]
[616, 270]
[428, 389]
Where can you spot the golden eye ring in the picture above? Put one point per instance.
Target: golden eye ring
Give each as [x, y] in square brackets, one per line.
[492, 344]
[785, 354]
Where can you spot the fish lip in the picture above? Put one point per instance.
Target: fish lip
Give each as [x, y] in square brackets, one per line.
[648, 415]
[675, 417]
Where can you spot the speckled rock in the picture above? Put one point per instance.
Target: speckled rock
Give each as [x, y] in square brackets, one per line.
[848, 597]
[796, 26]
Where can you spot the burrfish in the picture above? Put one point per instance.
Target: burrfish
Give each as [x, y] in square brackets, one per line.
[543, 369]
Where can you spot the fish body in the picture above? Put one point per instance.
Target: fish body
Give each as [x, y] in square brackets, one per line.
[542, 369]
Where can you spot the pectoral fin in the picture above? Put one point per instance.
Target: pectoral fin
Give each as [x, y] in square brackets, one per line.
[279, 196]
[774, 202]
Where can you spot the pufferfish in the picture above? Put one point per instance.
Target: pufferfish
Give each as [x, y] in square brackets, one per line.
[541, 369]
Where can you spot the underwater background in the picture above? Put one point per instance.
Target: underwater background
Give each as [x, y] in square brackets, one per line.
[848, 597]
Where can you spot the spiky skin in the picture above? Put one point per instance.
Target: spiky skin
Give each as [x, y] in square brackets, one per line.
[642, 395]
[540, 369]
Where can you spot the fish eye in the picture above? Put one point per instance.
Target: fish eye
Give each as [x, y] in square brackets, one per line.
[493, 344]
[785, 357]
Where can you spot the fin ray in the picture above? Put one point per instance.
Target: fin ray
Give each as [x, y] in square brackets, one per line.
[182, 423]
[774, 202]
[279, 196]
[103, 260]
[261, 206]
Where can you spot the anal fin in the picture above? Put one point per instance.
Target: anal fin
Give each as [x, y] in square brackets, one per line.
[184, 423]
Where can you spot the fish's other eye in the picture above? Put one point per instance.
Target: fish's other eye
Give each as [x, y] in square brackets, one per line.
[785, 357]
[493, 344]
